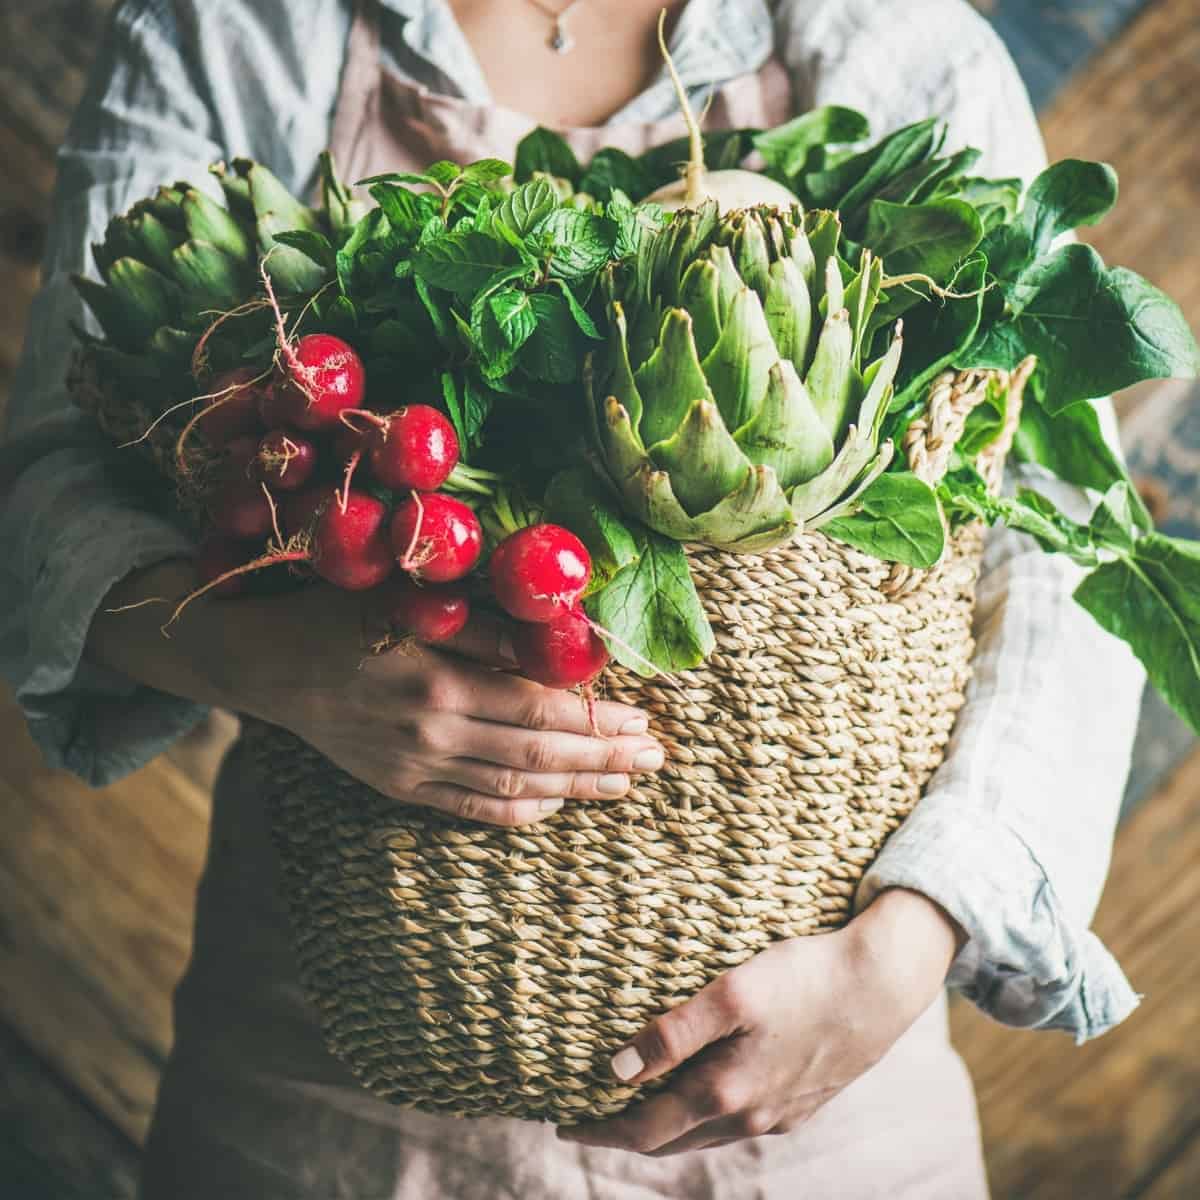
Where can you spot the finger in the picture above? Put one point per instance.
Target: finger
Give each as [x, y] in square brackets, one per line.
[551, 752]
[511, 700]
[511, 783]
[672, 1038]
[485, 639]
[487, 810]
[642, 1129]
[699, 1139]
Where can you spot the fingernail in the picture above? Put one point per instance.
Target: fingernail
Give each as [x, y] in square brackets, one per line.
[648, 760]
[549, 806]
[504, 647]
[635, 725]
[627, 1063]
[612, 785]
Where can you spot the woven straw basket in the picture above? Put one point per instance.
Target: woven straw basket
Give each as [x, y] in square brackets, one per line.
[479, 971]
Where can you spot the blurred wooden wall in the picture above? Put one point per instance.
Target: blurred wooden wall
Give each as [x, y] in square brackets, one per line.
[96, 889]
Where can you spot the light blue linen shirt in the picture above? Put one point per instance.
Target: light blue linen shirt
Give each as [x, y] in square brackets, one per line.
[1014, 834]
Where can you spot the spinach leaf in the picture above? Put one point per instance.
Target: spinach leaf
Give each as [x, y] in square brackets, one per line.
[936, 334]
[985, 422]
[786, 147]
[853, 181]
[575, 499]
[927, 239]
[898, 520]
[546, 152]
[1070, 444]
[615, 171]
[652, 610]
[1094, 330]
[722, 148]
[1128, 598]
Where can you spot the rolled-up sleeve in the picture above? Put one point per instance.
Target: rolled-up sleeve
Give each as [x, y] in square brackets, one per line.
[1014, 834]
[172, 90]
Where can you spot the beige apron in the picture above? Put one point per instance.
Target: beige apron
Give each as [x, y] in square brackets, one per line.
[251, 1107]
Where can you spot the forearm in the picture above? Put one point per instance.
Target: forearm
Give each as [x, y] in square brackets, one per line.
[127, 636]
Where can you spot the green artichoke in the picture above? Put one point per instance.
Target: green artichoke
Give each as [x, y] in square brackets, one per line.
[178, 258]
[731, 405]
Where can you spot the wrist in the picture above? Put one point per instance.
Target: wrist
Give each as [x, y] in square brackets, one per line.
[908, 943]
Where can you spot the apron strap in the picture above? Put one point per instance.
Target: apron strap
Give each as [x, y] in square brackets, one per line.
[357, 113]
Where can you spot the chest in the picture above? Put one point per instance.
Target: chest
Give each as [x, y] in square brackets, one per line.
[614, 54]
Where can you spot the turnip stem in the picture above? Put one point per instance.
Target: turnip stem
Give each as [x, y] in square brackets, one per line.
[695, 192]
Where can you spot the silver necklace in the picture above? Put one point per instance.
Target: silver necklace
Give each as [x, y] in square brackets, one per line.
[560, 39]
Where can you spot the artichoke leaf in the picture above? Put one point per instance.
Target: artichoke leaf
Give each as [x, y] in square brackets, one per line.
[862, 295]
[154, 241]
[786, 433]
[699, 295]
[788, 309]
[671, 380]
[824, 230]
[878, 379]
[835, 288]
[620, 382]
[755, 517]
[704, 462]
[624, 455]
[849, 504]
[209, 277]
[737, 366]
[208, 222]
[830, 379]
[809, 500]
[752, 259]
[729, 282]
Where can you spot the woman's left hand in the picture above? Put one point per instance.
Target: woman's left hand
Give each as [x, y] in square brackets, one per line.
[774, 1039]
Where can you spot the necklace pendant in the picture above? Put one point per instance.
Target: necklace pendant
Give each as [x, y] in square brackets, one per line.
[561, 42]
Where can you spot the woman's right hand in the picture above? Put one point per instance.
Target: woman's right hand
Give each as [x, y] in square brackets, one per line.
[440, 728]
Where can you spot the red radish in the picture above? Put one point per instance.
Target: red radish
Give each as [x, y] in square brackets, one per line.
[436, 537]
[242, 509]
[562, 653]
[298, 510]
[273, 405]
[539, 572]
[350, 544]
[414, 448]
[285, 460]
[240, 452]
[324, 377]
[431, 614]
[232, 407]
[348, 442]
[216, 557]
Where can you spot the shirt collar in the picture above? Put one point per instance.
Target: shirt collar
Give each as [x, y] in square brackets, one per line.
[713, 41]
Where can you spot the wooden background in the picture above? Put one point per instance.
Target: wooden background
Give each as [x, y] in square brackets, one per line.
[96, 888]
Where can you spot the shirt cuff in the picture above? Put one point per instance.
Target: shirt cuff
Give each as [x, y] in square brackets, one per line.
[69, 535]
[1023, 963]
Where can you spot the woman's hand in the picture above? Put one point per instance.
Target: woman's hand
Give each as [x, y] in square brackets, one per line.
[774, 1039]
[442, 729]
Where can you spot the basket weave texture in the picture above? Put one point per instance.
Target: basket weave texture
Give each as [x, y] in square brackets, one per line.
[479, 971]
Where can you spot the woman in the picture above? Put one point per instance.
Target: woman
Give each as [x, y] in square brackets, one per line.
[836, 1045]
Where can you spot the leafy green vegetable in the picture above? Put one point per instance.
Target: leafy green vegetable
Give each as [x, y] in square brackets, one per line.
[786, 148]
[652, 610]
[615, 171]
[574, 499]
[1094, 329]
[546, 152]
[927, 238]
[897, 519]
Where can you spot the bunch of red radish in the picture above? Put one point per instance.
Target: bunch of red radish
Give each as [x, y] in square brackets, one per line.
[298, 446]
